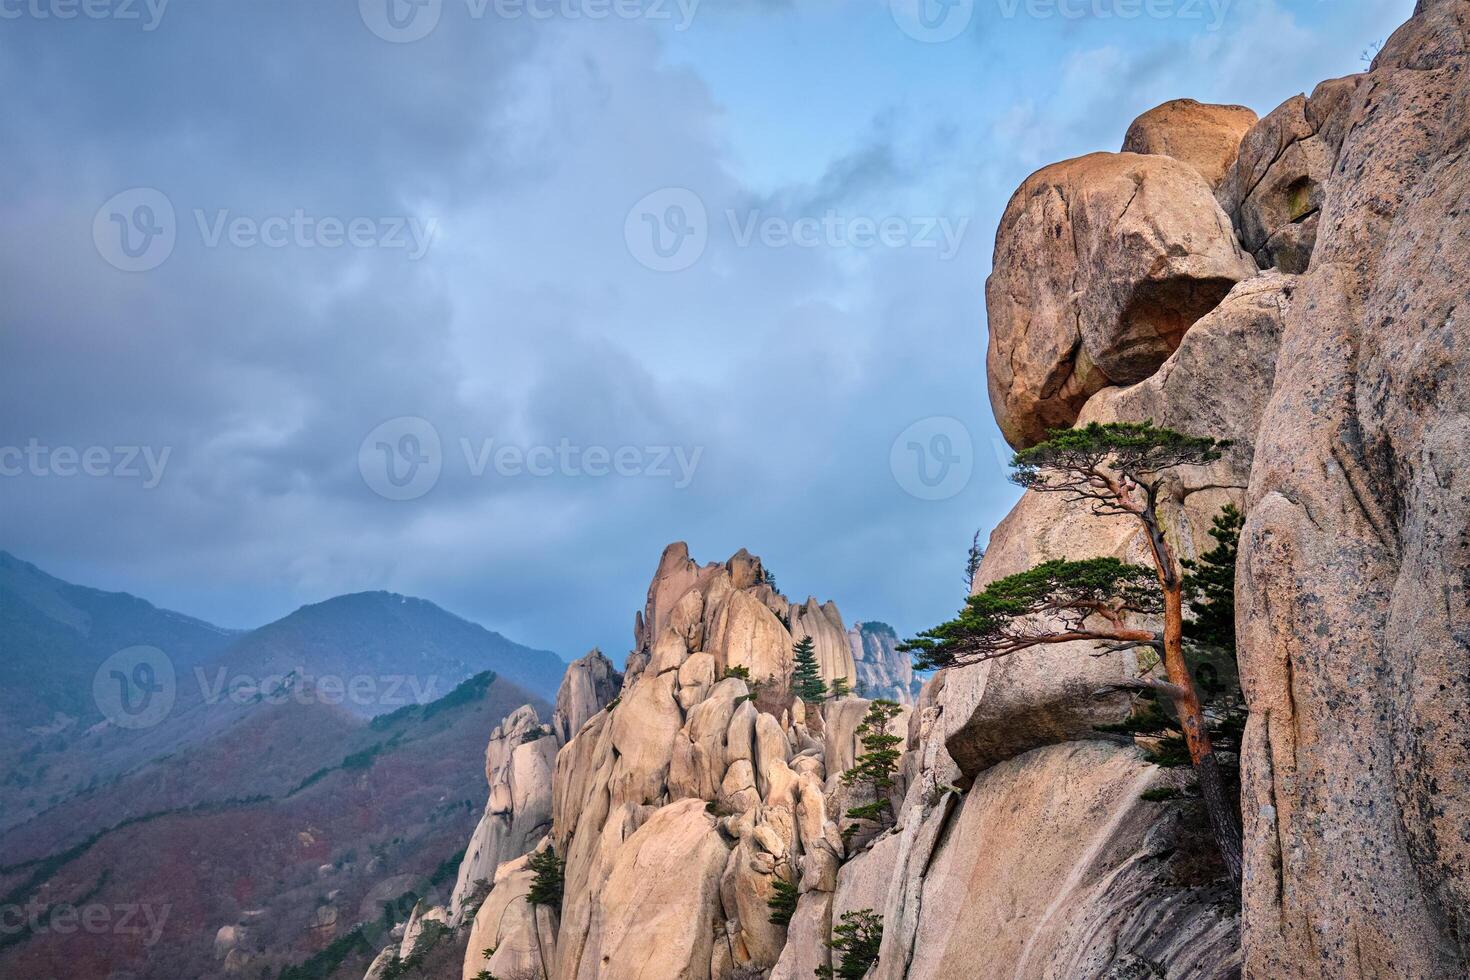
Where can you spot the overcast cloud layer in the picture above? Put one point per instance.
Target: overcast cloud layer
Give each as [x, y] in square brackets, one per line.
[476, 229]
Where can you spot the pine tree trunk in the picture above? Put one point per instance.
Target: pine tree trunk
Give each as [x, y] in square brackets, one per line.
[1224, 821]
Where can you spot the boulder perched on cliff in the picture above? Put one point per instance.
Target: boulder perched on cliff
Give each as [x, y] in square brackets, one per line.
[1217, 383]
[1353, 607]
[1101, 265]
[1203, 135]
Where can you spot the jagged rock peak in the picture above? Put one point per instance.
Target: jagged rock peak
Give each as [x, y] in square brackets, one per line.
[588, 685]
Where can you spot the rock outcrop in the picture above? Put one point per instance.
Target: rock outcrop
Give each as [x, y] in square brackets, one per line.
[518, 767]
[1202, 135]
[1352, 592]
[590, 683]
[882, 672]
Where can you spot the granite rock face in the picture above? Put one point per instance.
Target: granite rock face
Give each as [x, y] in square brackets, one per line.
[1101, 265]
[1352, 616]
[1273, 191]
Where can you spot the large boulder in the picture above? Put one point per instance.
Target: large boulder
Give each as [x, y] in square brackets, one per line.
[1101, 265]
[1202, 135]
[1353, 604]
[823, 624]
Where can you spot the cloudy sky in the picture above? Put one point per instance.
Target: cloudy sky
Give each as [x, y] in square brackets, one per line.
[487, 301]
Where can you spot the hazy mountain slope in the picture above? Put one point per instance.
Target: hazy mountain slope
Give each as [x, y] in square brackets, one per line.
[399, 648]
[54, 636]
[372, 805]
[370, 653]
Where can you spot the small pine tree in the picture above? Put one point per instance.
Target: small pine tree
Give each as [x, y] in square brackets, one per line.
[973, 558]
[876, 766]
[549, 880]
[782, 902]
[806, 680]
[1209, 585]
[856, 938]
[840, 687]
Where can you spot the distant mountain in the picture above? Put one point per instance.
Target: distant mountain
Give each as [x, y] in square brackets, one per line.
[384, 649]
[54, 636]
[366, 654]
[262, 847]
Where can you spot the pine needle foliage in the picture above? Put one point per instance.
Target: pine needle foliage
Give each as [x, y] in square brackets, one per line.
[549, 881]
[854, 944]
[1034, 606]
[1209, 584]
[876, 766]
[782, 902]
[806, 680]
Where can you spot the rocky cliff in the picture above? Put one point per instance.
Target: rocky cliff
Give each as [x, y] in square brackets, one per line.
[882, 672]
[1290, 283]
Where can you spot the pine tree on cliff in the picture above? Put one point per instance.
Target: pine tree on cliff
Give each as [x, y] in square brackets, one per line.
[1209, 585]
[806, 679]
[1117, 469]
[875, 767]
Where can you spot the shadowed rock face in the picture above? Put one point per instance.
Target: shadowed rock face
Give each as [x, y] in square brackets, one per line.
[1353, 619]
[1101, 265]
[1273, 191]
